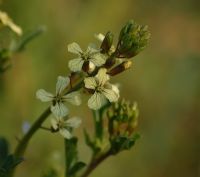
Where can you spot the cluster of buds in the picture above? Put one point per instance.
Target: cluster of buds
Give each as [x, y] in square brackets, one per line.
[133, 39]
[122, 122]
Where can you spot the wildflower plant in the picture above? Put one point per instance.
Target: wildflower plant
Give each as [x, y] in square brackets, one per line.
[115, 119]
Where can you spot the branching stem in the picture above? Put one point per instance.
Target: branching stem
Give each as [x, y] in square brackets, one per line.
[95, 162]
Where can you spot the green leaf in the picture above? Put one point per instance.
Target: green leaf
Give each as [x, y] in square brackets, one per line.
[76, 167]
[4, 60]
[50, 173]
[121, 143]
[4, 149]
[71, 151]
[88, 140]
[28, 37]
[10, 163]
[91, 143]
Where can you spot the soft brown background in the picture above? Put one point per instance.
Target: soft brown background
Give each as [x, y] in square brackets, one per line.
[165, 81]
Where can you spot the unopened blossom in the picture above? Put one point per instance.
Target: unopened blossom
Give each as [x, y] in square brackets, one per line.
[58, 108]
[64, 126]
[91, 55]
[100, 37]
[5, 20]
[103, 90]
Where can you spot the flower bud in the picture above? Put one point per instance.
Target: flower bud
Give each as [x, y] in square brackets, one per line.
[122, 121]
[107, 42]
[123, 118]
[88, 67]
[120, 68]
[133, 38]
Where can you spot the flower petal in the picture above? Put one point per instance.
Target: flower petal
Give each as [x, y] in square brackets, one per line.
[62, 83]
[91, 67]
[65, 133]
[99, 37]
[76, 65]
[112, 94]
[74, 48]
[73, 122]
[102, 76]
[7, 21]
[91, 49]
[98, 59]
[90, 82]
[59, 110]
[73, 98]
[54, 123]
[96, 101]
[44, 96]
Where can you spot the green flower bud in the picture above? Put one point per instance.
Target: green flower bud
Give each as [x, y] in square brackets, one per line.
[107, 42]
[122, 121]
[123, 118]
[133, 39]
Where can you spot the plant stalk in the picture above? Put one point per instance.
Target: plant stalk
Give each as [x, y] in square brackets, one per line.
[95, 162]
[20, 149]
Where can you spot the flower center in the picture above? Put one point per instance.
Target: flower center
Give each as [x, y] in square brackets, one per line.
[57, 99]
[61, 124]
[85, 56]
[98, 88]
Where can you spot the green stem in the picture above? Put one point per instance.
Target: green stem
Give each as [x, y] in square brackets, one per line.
[20, 149]
[98, 124]
[66, 161]
[95, 162]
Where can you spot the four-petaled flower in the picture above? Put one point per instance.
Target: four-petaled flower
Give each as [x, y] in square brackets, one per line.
[58, 108]
[65, 126]
[103, 90]
[91, 55]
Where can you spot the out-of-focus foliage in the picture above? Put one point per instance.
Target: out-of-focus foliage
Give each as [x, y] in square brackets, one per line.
[7, 161]
[164, 80]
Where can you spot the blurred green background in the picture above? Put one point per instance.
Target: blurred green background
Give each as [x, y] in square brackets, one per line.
[165, 81]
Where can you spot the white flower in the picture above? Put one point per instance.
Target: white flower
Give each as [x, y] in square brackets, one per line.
[91, 55]
[103, 90]
[64, 126]
[7, 21]
[58, 108]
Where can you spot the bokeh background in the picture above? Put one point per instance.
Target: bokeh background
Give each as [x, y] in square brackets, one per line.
[165, 81]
